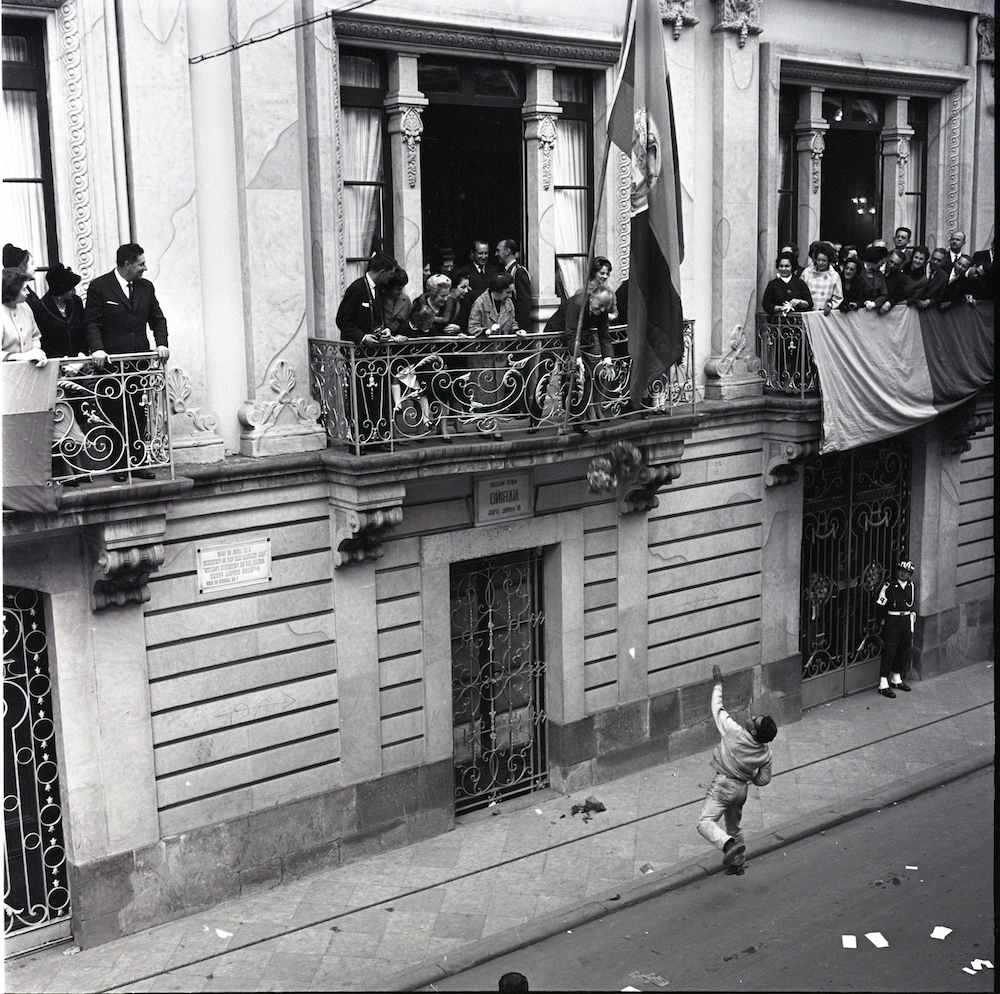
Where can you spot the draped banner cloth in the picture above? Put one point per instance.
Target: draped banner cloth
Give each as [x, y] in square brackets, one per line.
[29, 396]
[881, 375]
[642, 126]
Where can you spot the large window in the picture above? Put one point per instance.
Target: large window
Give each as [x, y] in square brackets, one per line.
[572, 177]
[367, 226]
[29, 201]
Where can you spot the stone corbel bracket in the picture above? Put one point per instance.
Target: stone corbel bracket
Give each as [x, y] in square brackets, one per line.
[121, 576]
[963, 429]
[361, 517]
[625, 470]
[782, 457]
[359, 535]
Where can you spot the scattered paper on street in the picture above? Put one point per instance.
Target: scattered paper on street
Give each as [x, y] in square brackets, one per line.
[978, 964]
[877, 939]
[849, 941]
[968, 969]
[908, 867]
[940, 932]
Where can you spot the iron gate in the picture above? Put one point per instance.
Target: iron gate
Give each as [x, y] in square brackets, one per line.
[855, 527]
[36, 891]
[498, 679]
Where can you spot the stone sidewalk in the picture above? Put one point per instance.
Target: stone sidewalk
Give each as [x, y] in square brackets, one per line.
[390, 921]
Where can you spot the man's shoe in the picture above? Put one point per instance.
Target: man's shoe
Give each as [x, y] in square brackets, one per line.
[900, 686]
[735, 871]
[886, 692]
[732, 853]
[144, 474]
[120, 477]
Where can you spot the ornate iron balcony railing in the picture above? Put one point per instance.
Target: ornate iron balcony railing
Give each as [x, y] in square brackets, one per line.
[397, 392]
[111, 420]
[786, 359]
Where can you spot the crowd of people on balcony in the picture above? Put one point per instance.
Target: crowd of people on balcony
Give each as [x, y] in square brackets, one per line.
[879, 277]
[120, 309]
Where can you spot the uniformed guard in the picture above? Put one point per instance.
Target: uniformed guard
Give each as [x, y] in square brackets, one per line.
[898, 598]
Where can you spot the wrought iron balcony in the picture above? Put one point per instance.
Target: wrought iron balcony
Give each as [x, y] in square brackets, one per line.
[397, 392]
[786, 359]
[111, 420]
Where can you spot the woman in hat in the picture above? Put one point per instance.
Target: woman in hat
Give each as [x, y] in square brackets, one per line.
[21, 260]
[59, 314]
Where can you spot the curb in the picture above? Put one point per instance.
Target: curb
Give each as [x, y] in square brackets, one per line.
[662, 882]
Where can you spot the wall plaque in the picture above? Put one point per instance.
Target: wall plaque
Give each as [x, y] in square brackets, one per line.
[504, 497]
[239, 564]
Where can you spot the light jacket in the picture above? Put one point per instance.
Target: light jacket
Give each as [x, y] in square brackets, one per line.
[739, 755]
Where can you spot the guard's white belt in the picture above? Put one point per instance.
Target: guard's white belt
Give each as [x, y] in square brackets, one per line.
[899, 614]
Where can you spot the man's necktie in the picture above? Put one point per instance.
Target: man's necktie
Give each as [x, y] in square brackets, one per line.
[130, 293]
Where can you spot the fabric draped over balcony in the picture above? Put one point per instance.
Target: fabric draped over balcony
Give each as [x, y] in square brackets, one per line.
[882, 375]
[29, 397]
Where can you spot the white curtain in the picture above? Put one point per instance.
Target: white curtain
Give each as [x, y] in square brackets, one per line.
[23, 202]
[569, 175]
[362, 148]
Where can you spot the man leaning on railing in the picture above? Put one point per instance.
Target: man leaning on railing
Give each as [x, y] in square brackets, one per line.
[120, 307]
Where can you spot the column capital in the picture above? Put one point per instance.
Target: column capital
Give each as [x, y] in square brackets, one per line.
[741, 16]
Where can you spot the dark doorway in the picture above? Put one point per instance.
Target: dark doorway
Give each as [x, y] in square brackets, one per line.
[850, 207]
[471, 168]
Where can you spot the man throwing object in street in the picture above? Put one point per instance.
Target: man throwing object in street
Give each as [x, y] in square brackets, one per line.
[742, 757]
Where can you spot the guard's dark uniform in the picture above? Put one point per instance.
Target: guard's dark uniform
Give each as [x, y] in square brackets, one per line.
[897, 636]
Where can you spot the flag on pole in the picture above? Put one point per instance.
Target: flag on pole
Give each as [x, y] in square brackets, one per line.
[642, 126]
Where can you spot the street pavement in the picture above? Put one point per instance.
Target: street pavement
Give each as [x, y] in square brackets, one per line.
[515, 874]
[903, 875]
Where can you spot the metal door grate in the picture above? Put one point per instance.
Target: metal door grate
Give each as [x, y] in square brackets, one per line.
[36, 892]
[498, 680]
[855, 526]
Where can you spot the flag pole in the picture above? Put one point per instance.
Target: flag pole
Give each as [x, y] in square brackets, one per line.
[626, 41]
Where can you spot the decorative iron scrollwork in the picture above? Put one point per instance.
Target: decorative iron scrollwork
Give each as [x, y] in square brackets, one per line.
[121, 576]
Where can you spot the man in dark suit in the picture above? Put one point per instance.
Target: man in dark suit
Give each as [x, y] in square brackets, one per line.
[361, 315]
[361, 319]
[121, 305]
[479, 272]
[507, 254]
[982, 274]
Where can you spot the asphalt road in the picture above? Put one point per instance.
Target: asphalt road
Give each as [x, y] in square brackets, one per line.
[779, 926]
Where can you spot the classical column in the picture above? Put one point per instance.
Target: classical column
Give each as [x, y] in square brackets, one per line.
[731, 369]
[896, 135]
[220, 210]
[983, 222]
[810, 144]
[405, 104]
[539, 114]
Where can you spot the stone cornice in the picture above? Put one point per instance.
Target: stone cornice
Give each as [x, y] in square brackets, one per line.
[474, 41]
[795, 71]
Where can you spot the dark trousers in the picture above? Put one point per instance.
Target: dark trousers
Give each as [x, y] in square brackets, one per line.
[897, 640]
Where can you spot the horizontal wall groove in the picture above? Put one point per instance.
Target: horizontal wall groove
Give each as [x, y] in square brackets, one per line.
[405, 683]
[262, 751]
[713, 582]
[398, 742]
[243, 786]
[244, 692]
[702, 657]
[735, 529]
[270, 589]
[689, 610]
[212, 537]
[704, 510]
[400, 655]
[599, 686]
[703, 632]
[399, 714]
[243, 660]
[399, 628]
[192, 639]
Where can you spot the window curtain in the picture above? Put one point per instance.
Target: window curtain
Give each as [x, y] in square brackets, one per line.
[361, 128]
[569, 174]
[23, 202]
[913, 183]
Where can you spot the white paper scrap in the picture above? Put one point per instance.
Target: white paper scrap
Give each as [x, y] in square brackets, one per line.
[969, 970]
[849, 941]
[940, 932]
[978, 964]
[912, 867]
[538, 811]
[630, 988]
[877, 939]
[223, 935]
